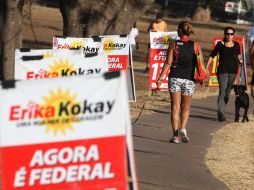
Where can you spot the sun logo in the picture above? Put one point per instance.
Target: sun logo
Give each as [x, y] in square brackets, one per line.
[166, 39]
[47, 55]
[61, 65]
[77, 44]
[58, 123]
[108, 45]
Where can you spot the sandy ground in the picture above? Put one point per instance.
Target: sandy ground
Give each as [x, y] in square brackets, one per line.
[231, 155]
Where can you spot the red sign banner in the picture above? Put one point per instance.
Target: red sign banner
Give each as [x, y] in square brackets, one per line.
[157, 60]
[117, 62]
[85, 164]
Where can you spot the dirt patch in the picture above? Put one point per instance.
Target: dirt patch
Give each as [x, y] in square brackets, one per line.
[231, 155]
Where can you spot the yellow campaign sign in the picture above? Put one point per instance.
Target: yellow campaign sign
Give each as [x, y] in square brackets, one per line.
[212, 79]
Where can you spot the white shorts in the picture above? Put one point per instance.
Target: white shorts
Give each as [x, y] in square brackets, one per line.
[185, 86]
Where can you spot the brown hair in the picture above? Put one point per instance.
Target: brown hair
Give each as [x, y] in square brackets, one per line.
[185, 27]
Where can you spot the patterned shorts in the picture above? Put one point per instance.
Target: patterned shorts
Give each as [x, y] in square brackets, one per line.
[181, 85]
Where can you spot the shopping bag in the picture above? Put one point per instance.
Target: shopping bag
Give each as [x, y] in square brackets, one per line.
[199, 70]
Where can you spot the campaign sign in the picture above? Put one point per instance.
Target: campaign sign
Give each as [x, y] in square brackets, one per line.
[64, 133]
[241, 77]
[88, 44]
[48, 63]
[115, 47]
[159, 42]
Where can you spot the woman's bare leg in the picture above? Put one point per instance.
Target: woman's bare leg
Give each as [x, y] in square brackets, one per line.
[185, 110]
[175, 98]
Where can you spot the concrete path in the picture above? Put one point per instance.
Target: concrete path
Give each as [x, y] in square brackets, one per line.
[162, 165]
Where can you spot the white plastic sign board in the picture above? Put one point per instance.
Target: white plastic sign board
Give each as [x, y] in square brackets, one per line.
[66, 133]
[161, 40]
[115, 47]
[48, 63]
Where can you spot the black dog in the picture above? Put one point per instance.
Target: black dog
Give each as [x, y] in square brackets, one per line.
[241, 101]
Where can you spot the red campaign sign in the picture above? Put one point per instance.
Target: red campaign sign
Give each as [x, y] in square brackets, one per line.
[157, 60]
[117, 62]
[93, 164]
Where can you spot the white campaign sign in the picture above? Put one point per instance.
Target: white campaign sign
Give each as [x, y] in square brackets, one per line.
[40, 64]
[111, 45]
[88, 44]
[115, 47]
[81, 110]
[161, 40]
[72, 131]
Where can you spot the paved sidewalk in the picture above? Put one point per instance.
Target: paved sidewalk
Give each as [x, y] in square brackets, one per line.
[164, 166]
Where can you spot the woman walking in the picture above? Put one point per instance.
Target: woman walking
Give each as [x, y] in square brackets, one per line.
[229, 58]
[180, 61]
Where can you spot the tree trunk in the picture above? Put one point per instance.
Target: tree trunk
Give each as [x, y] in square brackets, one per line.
[12, 35]
[202, 14]
[71, 18]
[2, 5]
[101, 17]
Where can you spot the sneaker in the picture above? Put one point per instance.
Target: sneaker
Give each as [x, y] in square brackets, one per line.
[174, 140]
[184, 136]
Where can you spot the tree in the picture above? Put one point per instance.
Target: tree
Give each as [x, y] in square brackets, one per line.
[11, 35]
[80, 18]
[1, 38]
[98, 17]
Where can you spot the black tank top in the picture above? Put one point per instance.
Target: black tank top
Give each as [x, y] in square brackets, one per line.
[183, 60]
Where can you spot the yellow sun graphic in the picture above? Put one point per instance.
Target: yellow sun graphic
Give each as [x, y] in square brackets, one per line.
[77, 44]
[166, 39]
[47, 55]
[61, 65]
[59, 123]
[106, 45]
